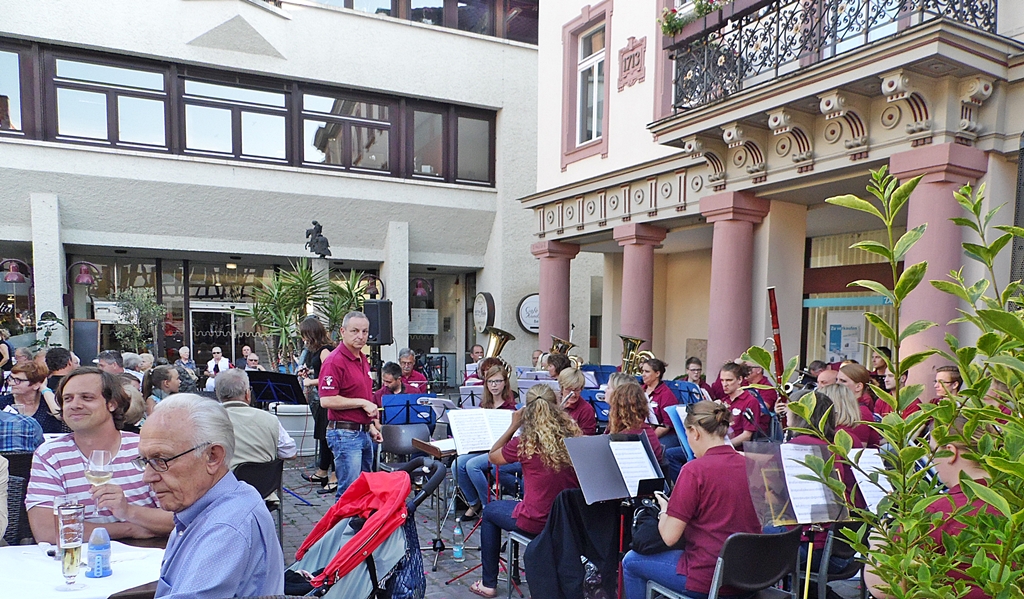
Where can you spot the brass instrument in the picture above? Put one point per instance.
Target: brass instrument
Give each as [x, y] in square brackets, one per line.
[632, 357]
[561, 346]
[496, 340]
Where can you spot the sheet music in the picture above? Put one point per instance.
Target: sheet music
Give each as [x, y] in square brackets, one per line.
[444, 444]
[477, 430]
[870, 460]
[633, 462]
[809, 498]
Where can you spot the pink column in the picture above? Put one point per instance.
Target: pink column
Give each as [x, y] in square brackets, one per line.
[636, 318]
[554, 289]
[946, 168]
[732, 269]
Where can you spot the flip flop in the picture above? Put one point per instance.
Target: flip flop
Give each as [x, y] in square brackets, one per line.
[478, 588]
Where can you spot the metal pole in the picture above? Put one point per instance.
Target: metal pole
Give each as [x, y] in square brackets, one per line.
[1017, 254]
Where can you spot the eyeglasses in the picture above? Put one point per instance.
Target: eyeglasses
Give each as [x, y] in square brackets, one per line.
[217, 352]
[253, 361]
[17, 380]
[495, 381]
[162, 464]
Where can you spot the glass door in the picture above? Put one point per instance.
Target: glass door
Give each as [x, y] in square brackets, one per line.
[212, 328]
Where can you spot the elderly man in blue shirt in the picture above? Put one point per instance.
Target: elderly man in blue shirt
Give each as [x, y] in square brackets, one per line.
[224, 543]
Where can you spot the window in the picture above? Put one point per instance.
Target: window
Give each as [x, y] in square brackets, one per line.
[332, 124]
[376, 7]
[428, 12]
[242, 122]
[428, 143]
[476, 16]
[474, 161]
[590, 91]
[113, 104]
[10, 91]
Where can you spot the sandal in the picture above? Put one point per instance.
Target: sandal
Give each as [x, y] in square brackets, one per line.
[318, 480]
[328, 488]
[472, 513]
[478, 588]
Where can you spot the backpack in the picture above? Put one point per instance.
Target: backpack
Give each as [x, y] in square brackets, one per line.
[775, 433]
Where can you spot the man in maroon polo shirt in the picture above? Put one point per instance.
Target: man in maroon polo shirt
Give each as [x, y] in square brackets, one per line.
[411, 378]
[347, 392]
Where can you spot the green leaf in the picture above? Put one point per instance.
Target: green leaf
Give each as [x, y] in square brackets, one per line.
[759, 356]
[1010, 467]
[952, 289]
[1006, 322]
[1009, 362]
[876, 287]
[902, 194]
[909, 280]
[914, 359]
[854, 203]
[988, 343]
[997, 246]
[965, 222]
[916, 327]
[875, 248]
[907, 241]
[990, 497]
[977, 290]
[978, 252]
[1012, 230]
[879, 323]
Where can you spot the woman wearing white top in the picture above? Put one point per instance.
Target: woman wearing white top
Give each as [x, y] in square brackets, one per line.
[217, 364]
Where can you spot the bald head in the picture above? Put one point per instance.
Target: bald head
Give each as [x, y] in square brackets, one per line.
[827, 377]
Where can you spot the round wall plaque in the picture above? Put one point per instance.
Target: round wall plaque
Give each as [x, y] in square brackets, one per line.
[528, 313]
[483, 311]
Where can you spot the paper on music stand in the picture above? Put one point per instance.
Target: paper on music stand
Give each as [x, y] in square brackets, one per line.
[444, 444]
[767, 483]
[870, 460]
[601, 473]
[441, 407]
[633, 463]
[478, 430]
[810, 498]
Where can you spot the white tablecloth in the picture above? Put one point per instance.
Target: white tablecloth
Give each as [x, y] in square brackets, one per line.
[26, 571]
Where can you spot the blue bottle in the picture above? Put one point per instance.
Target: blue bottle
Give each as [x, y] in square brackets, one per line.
[99, 554]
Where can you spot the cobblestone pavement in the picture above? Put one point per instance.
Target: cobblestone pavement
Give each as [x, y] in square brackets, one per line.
[299, 519]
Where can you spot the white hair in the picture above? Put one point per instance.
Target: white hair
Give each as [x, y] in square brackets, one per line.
[405, 353]
[131, 360]
[351, 315]
[231, 385]
[208, 421]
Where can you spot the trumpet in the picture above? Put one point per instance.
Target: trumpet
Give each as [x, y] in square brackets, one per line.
[632, 356]
[561, 346]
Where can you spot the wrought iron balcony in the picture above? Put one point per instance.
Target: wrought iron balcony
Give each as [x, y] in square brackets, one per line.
[757, 41]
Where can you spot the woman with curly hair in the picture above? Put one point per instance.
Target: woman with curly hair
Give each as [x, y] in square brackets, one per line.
[547, 471]
[627, 414]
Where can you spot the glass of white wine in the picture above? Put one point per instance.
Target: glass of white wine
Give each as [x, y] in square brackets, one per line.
[71, 536]
[100, 470]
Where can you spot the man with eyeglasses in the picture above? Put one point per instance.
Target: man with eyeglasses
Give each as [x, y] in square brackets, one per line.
[252, 362]
[93, 404]
[224, 542]
[216, 364]
[413, 380]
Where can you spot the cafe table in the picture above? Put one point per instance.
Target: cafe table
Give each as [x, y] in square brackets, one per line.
[26, 571]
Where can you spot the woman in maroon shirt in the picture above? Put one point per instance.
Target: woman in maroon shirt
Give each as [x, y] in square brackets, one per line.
[627, 414]
[852, 416]
[709, 502]
[547, 471]
[571, 382]
[858, 379]
[472, 469]
[660, 397]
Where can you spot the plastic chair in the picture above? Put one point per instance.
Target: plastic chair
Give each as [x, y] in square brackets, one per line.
[836, 545]
[19, 464]
[266, 478]
[751, 563]
[397, 441]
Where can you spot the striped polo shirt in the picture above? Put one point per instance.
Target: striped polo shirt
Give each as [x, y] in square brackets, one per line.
[58, 468]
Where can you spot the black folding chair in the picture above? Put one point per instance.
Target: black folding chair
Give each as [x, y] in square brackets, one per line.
[266, 478]
[836, 545]
[397, 442]
[19, 464]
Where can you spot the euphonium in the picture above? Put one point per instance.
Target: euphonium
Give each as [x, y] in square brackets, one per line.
[632, 357]
[496, 340]
[561, 346]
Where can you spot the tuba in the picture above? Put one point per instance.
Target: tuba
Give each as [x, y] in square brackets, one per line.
[496, 340]
[561, 346]
[632, 357]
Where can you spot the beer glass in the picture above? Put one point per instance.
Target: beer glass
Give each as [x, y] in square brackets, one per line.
[70, 538]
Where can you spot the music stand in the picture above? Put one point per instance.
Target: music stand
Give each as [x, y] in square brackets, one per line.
[269, 387]
[470, 396]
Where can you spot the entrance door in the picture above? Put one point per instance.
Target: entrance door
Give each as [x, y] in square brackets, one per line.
[212, 328]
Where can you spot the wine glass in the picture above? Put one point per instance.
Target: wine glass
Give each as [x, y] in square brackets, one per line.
[71, 537]
[99, 471]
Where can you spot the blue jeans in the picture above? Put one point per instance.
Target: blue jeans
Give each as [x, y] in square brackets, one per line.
[661, 568]
[669, 440]
[496, 518]
[353, 453]
[674, 459]
[472, 470]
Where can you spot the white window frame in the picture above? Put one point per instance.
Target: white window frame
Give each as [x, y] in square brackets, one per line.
[584, 64]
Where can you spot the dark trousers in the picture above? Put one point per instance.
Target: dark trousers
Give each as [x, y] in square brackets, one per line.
[497, 517]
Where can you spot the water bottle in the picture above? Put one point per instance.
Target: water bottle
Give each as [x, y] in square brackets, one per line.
[99, 554]
[458, 542]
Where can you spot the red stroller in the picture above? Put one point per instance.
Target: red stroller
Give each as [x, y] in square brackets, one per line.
[366, 543]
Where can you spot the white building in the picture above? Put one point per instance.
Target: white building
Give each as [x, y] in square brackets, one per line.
[187, 145]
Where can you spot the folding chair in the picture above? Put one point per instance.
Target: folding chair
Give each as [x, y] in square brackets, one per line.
[397, 442]
[836, 545]
[266, 478]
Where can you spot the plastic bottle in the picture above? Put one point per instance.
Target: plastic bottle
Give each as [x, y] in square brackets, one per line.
[458, 542]
[99, 554]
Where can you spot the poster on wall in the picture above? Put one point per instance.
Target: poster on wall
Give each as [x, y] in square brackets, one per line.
[422, 321]
[845, 333]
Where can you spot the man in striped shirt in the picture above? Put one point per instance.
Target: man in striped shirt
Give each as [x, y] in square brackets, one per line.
[93, 404]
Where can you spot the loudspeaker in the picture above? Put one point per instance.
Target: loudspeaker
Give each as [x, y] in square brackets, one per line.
[379, 314]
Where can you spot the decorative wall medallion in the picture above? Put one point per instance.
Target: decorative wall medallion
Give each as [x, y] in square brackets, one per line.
[638, 196]
[613, 202]
[739, 157]
[833, 131]
[666, 190]
[569, 212]
[697, 183]
[783, 146]
[551, 217]
[631, 62]
[590, 207]
[891, 116]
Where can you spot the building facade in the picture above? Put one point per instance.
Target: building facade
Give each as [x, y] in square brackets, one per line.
[697, 165]
[187, 146]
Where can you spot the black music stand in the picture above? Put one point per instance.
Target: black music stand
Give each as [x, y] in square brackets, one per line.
[269, 387]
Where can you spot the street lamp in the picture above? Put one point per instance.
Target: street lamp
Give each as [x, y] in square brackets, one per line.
[14, 274]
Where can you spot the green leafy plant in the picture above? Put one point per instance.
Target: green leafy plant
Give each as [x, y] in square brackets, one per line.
[140, 314]
[990, 548]
[673, 20]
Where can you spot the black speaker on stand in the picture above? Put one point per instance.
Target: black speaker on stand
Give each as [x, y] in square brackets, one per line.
[378, 312]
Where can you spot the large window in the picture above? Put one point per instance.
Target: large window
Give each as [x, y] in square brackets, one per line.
[346, 132]
[108, 103]
[10, 91]
[474, 161]
[428, 143]
[242, 122]
[377, 7]
[590, 90]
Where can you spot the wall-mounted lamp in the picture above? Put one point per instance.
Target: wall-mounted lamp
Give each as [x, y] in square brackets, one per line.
[87, 275]
[14, 274]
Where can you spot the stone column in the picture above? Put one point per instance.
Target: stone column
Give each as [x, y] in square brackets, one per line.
[637, 311]
[555, 258]
[734, 215]
[48, 262]
[394, 272]
[946, 168]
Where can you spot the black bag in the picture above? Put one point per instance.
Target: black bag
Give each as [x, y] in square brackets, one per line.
[646, 538]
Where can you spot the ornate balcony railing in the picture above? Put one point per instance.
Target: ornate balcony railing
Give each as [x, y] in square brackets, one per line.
[774, 38]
